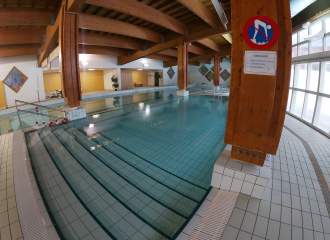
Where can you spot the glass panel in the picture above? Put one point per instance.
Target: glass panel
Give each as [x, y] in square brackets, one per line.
[297, 103]
[289, 100]
[301, 76]
[322, 115]
[294, 52]
[303, 49]
[302, 35]
[316, 27]
[314, 77]
[327, 25]
[325, 78]
[317, 46]
[309, 107]
[294, 39]
[327, 46]
[292, 75]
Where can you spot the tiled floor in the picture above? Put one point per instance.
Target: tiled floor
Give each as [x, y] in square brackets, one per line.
[293, 206]
[10, 228]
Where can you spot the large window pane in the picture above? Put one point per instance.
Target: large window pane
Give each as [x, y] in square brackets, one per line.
[327, 46]
[301, 76]
[314, 77]
[297, 103]
[294, 39]
[327, 25]
[317, 46]
[294, 52]
[289, 100]
[303, 49]
[322, 115]
[308, 112]
[316, 27]
[292, 75]
[303, 34]
[325, 79]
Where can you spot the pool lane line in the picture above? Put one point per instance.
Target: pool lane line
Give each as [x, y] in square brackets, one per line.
[50, 214]
[123, 177]
[77, 196]
[143, 172]
[122, 203]
[100, 132]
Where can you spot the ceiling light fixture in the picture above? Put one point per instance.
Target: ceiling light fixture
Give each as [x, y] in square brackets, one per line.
[91, 69]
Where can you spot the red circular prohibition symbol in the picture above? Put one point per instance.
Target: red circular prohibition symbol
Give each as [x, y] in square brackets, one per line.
[271, 42]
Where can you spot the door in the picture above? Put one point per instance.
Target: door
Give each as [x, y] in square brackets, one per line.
[126, 80]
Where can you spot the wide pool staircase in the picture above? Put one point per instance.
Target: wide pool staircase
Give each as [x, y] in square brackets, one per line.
[94, 188]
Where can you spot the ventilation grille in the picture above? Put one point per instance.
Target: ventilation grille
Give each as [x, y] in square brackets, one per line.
[215, 219]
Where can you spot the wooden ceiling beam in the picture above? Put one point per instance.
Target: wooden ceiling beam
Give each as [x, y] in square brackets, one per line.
[195, 50]
[161, 57]
[152, 50]
[200, 58]
[89, 49]
[109, 41]
[25, 16]
[170, 52]
[200, 10]
[74, 5]
[210, 44]
[208, 33]
[102, 24]
[19, 50]
[140, 10]
[21, 36]
[225, 51]
[172, 64]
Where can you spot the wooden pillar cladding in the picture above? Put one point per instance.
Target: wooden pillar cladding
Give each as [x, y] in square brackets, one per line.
[69, 58]
[257, 103]
[182, 64]
[217, 59]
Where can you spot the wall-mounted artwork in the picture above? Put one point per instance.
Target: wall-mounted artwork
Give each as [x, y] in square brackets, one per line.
[170, 72]
[209, 76]
[15, 79]
[225, 75]
[203, 70]
[213, 69]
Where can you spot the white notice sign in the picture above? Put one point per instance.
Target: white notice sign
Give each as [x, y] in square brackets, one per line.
[260, 62]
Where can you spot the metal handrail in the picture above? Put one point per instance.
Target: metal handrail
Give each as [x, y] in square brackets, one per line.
[37, 105]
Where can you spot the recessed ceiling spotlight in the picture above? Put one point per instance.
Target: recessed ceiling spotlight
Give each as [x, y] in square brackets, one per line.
[140, 69]
[91, 69]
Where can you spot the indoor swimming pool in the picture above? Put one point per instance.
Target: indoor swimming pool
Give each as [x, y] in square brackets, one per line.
[137, 168]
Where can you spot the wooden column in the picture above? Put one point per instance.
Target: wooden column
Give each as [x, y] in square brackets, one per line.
[182, 64]
[216, 80]
[69, 58]
[257, 103]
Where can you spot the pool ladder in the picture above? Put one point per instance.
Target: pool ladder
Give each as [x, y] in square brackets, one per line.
[37, 113]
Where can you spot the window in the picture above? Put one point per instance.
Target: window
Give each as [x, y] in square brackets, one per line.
[327, 44]
[317, 46]
[303, 49]
[294, 39]
[325, 78]
[327, 25]
[289, 100]
[292, 75]
[322, 115]
[313, 82]
[302, 35]
[309, 106]
[297, 103]
[301, 76]
[316, 27]
[294, 52]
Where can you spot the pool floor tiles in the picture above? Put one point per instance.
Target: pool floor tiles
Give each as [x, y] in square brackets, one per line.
[79, 183]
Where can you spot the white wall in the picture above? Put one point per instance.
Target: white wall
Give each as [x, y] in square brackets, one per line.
[28, 66]
[196, 77]
[166, 78]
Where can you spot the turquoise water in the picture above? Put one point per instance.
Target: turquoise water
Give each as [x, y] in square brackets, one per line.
[140, 172]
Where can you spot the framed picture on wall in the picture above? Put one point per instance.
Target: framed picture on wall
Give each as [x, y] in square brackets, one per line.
[15, 79]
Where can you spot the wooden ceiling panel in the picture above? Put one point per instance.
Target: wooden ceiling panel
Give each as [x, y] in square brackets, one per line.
[220, 40]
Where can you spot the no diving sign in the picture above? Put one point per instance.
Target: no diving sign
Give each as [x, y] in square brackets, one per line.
[260, 32]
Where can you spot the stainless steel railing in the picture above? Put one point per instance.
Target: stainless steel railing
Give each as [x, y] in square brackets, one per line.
[37, 113]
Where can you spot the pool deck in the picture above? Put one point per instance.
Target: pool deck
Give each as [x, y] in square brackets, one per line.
[295, 204]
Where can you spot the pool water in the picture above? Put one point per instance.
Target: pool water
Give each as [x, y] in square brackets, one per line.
[140, 172]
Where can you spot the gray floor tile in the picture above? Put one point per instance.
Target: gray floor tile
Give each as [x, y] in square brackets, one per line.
[244, 236]
[275, 212]
[285, 232]
[297, 233]
[230, 233]
[307, 220]
[296, 218]
[236, 218]
[273, 230]
[260, 229]
[242, 201]
[253, 205]
[248, 222]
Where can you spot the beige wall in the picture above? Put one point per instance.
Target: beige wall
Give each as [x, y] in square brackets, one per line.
[90, 81]
[140, 77]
